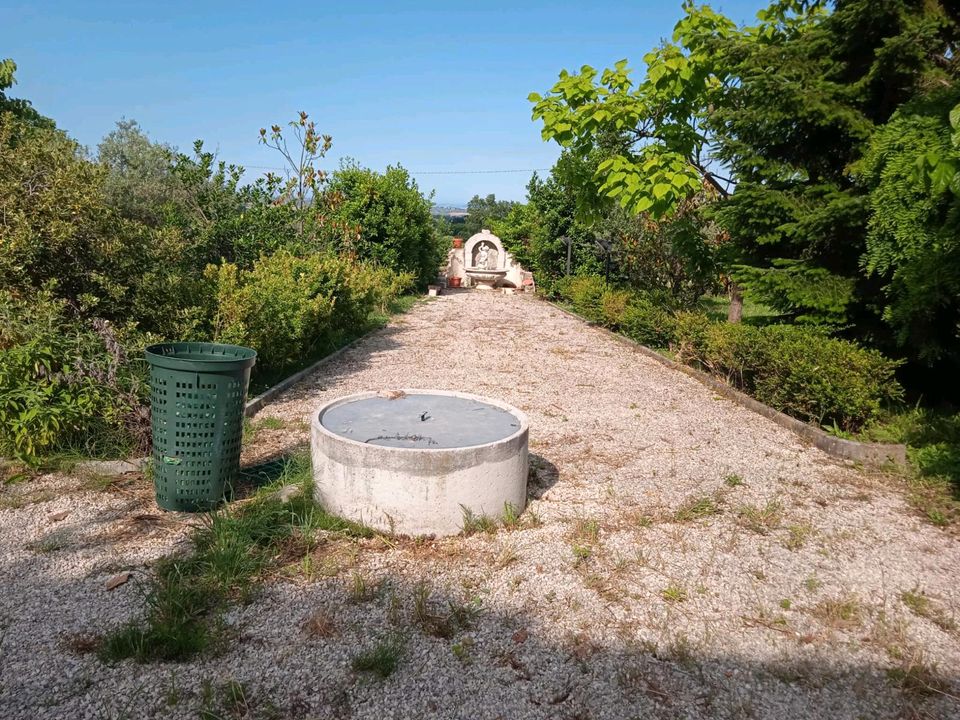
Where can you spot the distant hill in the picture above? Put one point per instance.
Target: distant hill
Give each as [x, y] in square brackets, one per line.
[448, 211]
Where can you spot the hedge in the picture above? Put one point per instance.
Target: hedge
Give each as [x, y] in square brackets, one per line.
[798, 370]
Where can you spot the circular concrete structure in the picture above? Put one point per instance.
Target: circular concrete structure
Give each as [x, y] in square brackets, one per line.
[412, 462]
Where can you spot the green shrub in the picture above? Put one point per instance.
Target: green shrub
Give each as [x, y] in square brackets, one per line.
[648, 322]
[812, 376]
[392, 218]
[689, 335]
[798, 370]
[613, 307]
[65, 382]
[290, 308]
[585, 294]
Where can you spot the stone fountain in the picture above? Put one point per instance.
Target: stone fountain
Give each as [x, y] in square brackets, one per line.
[485, 264]
[414, 462]
[484, 271]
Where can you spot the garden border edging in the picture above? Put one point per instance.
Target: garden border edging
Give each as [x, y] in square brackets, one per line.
[875, 454]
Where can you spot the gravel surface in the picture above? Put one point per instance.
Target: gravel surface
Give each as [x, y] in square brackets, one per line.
[680, 557]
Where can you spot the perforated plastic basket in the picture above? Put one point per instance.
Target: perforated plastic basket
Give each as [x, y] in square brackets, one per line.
[197, 395]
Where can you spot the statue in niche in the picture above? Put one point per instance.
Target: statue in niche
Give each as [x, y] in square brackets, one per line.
[486, 257]
[483, 255]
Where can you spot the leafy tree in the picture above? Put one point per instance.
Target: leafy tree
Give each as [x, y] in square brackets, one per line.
[913, 237]
[58, 231]
[482, 211]
[304, 180]
[390, 216]
[22, 110]
[673, 258]
[140, 181]
[782, 109]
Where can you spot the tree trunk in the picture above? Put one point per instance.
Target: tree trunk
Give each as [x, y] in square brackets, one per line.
[735, 313]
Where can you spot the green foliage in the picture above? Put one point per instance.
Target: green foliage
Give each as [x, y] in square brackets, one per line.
[483, 212]
[675, 256]
[381, 659]
[797, 370]
[21, 110]
[809, 295]
[64, 382]
[57, 226]
[140, 181]
[932, 437]
[648, 322]
[291, 307]
[301, 148]
[913, 238]
[584, 293]
[786, 108]
[97, 258]
[393, 221]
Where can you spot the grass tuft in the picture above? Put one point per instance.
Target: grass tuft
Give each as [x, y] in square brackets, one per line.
[922, 606]
[695, 508]
[229, 553]
[674, 593]
[761, 520]
[733, 481]
[382, 659]
[841, 613]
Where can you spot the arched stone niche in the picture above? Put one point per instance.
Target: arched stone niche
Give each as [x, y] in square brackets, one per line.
[484, 250]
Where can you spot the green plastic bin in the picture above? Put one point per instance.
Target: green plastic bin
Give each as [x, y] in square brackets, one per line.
[197, 395]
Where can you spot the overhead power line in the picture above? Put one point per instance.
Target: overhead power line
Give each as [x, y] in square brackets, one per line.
[429, 172]
[473, 172]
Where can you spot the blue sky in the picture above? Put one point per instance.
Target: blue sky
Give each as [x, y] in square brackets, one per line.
[436, 87]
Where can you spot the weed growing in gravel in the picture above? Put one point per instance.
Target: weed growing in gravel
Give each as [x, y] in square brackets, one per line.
[320, 625]
[229, 553]
[383, 658]
[587, 530]
[696, 507]
[914, 676]
[232, 699]
[761, 520]
[510, 519]
[674, 593]
[812, 584]
[841, 613]
[733, 481]
[507, 557]
[922, 606]
[454, 618]
[360, 590]
[252, 428]
[797, 536]
[461, 650]
[172, 693]
[473, 523]
[51, 543]
[581, 553]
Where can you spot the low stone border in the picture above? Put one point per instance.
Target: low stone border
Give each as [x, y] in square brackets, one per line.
[255, 405]
[876, 454]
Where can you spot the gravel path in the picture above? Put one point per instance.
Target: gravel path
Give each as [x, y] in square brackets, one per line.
[680, 557]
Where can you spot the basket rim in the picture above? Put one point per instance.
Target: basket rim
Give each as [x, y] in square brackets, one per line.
[200, 355]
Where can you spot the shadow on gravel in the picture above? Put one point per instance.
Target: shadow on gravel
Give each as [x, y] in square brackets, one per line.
[542, 476]
[446, 654]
